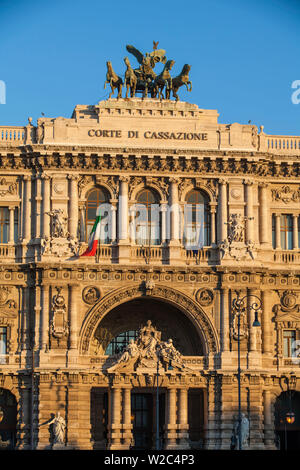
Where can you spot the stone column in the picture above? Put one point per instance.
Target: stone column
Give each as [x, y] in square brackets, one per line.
[46, 205]
[82, 222]
[249, 210]
[254, 355]
[251, 315]
[295, 231]
[183, 426]
[11, 238]
[174, 212]
[163, 210]
[268, 421]
[174, 247]
[113, 223]
[127, 425]
[264, 216]
[26, 209]
[73, 206]
[123, 209]
[255, 412]
[37, 309]
[73, 302]
[45, 318]
[212, 225]
[123, 235]
[171, 420]
[24, 418]
[25, 317]
[222, 210]
[225, 319]
[228, 414]
[38, 201]
[115, 421]
[266, 323]
[277, 232]
[132, 225]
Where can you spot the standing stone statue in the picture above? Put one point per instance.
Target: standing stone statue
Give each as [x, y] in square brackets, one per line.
[244, 432]
[58, 428]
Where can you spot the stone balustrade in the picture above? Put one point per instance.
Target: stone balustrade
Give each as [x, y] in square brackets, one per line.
[12, 134]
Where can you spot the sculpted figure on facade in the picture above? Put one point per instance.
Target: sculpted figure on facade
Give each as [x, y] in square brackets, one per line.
[235, 245]
[113, 80]
[58, 223]
[60, 243]
[147, 350]
[245, 427]
[58, 429]
[144, 80]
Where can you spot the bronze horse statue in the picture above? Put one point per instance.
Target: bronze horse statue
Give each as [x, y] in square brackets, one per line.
[130, 81]
[162, 80]
[114, 81]
[181, 79]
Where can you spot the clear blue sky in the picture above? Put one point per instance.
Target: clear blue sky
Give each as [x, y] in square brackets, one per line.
[244, 54]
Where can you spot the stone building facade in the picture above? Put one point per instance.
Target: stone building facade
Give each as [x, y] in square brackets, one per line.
[66, 320]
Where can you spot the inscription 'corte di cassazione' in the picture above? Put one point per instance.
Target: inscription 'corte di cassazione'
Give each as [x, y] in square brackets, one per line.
[148, 134]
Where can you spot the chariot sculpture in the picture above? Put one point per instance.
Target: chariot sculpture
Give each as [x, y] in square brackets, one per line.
[144, 80]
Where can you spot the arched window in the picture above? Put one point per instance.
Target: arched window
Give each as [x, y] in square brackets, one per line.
[147, 220]
[120, 342]
[196, 220]
[98, 197]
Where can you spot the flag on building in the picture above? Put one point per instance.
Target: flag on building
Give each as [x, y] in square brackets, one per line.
[94, 236]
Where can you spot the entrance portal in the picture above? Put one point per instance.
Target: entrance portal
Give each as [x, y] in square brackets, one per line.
[8, 419]
[287, 431]
[142, 420]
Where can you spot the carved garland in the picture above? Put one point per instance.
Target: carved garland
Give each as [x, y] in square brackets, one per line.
[180, 300]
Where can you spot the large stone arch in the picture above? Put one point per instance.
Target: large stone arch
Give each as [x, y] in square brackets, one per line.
[187, 305]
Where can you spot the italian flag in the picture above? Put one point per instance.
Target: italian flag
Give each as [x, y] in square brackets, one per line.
[94, 236]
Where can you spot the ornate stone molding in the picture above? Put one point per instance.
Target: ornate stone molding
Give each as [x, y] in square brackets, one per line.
[91, 295]
[286, 194]
[7, 187]
[59, 326]
[187, 305]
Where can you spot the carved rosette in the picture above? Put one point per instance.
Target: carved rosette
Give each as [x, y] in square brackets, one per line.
[205, 297]
[91, 295]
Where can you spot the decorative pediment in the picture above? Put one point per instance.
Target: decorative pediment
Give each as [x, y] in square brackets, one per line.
[288, 306]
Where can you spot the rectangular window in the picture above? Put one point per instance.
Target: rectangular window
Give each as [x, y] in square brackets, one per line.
[286, 231]
[3, 340]
[274, 231]
[16, 225]
[289, 336]
[4, 224]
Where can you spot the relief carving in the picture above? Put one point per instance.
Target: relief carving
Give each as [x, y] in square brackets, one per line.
[286, 194]
[60, 243]
[234, 246]
[59, 326]
[147, 351]
[205, 297]
[91, 295]
[7, 304]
